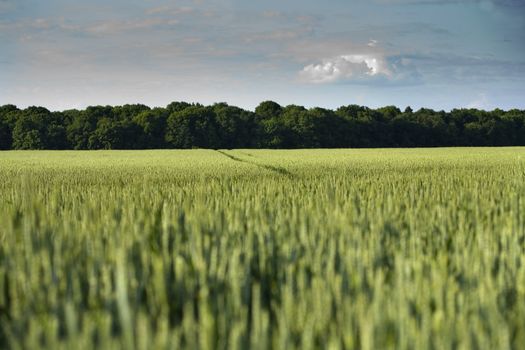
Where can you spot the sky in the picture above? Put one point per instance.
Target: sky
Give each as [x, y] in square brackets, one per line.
[440, 54]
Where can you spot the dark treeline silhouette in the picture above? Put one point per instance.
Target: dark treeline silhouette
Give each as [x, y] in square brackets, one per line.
[184, 125]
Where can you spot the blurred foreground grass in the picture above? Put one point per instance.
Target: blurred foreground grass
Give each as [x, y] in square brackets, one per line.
[327, 249]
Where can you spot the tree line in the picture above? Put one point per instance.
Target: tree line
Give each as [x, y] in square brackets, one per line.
[185, 125]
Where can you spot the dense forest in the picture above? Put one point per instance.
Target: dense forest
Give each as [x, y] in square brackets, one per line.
[184, 125]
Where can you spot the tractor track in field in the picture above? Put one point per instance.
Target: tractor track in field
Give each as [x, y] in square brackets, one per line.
[273, 168]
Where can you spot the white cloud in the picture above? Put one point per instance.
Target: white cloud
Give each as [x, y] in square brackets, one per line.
[347, 67]
[481, 102]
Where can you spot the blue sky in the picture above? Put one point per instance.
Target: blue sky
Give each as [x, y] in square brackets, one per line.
[441, 54]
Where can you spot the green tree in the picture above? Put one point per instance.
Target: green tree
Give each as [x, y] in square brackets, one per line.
[299, 128]
[153, 126]
[129, 111]
[351, 111]
[514, 124]
[84, 124]
[38, 128]
[5, 135]
[236, 127]
[8, 116]
[268, 110]
[115, 134]
[328, 129]
[273, 133]
[184, 125]
[178, 106]
[194, 126]
[389, 112]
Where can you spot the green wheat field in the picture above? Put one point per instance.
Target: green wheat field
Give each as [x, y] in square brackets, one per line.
[235, 249]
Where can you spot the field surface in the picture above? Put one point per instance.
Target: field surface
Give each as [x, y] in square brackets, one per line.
[232, 249]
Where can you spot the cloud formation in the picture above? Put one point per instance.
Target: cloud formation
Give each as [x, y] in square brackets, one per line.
[347, 67]
[295, 51]
[484, 3]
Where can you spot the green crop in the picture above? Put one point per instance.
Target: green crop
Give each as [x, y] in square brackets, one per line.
[308, 249]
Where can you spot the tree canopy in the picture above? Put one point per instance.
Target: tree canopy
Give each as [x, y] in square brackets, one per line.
[185, 125]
